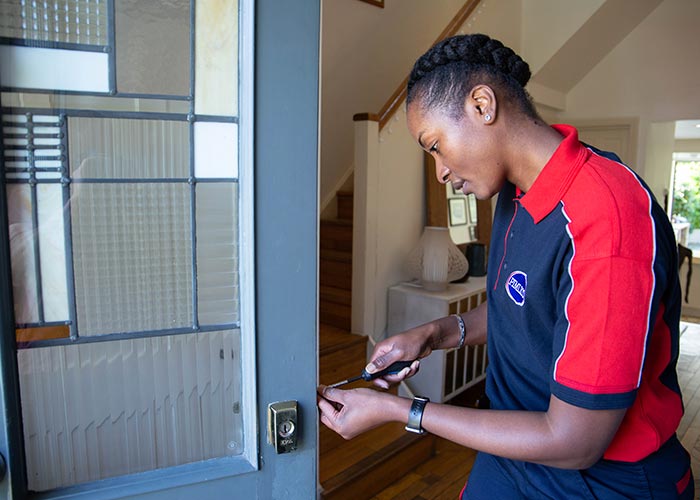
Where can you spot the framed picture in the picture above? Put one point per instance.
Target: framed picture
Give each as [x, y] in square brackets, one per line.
[458, 211]
[377, 3]
[472, 209]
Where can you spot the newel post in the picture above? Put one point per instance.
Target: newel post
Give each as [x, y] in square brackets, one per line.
[364, 235]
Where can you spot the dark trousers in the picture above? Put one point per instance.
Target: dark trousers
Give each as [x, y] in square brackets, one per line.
[663, 475]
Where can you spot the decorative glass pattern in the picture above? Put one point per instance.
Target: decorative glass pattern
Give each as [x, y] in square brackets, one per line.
[216, 67]
[52, 252]
[54, 69]
[100, 410]
[216, 150]
[132, 257]
[23, 253]
[105, 238]
[33, 145]
[217, 253]
[153, 47]
[102, 148]
[74, 21]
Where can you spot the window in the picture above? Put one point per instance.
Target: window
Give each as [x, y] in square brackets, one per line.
[685, 207]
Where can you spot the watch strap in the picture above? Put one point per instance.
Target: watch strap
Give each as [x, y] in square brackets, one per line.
[415, 415]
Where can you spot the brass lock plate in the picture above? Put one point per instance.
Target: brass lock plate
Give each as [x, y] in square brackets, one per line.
[283, 426]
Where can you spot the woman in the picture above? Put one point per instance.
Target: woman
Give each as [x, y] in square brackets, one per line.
[583, 300]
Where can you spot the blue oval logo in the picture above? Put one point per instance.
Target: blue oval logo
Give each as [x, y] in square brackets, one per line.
[516, 284]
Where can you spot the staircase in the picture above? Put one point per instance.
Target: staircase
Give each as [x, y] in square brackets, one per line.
[359, 468]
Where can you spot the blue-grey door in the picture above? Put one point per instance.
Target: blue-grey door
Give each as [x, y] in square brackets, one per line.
[158, 247]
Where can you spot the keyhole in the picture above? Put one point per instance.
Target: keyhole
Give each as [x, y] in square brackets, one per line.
[286, 429]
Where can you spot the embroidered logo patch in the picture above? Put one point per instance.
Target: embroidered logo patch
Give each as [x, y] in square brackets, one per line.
[515, 287]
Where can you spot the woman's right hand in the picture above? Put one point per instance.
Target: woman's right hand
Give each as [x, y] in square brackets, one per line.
[411, 344]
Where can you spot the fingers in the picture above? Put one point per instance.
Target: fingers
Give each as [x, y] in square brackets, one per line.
[383, 360]
[331, 394]
[326, 407]
[388, 380]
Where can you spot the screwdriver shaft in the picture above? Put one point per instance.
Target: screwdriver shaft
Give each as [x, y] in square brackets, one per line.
[353, 379]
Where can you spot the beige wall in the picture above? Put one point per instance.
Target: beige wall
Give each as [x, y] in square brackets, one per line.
[687, 146]
[562, 18]
[366, 53]
[659, 158]
[400, 210]
[651, 74]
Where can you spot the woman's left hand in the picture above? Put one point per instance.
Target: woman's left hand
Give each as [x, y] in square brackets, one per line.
[352, 412]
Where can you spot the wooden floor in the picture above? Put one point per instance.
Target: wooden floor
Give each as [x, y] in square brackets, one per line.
[443, 476]
[689, 378]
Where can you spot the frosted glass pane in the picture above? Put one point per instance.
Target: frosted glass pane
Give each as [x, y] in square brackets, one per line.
[216, 49]
[132, 251]
[74, 21]
[95, 102]
[215, 150]
[52, 252]
[24, 289]
[217, 253]
[99, 410]
[55, 69]
[123, 148]
[153, 47]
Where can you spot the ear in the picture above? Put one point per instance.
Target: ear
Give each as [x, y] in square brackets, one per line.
[481, 104]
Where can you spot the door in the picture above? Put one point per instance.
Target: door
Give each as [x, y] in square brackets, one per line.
[617, 136]
[158, 247]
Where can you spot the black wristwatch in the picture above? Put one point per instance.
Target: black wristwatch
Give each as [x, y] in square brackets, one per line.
[415, 416]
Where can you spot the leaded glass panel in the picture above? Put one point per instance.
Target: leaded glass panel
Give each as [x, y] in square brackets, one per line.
[132, 251]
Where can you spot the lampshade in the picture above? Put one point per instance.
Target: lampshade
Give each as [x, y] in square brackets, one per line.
[436, 260]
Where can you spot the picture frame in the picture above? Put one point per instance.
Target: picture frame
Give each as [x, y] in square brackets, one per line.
[458, 212]
[376, 3]
[472, 209]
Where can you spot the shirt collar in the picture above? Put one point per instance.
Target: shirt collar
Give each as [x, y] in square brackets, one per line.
[557, 175]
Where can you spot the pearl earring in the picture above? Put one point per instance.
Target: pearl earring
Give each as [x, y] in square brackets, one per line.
[487, 118]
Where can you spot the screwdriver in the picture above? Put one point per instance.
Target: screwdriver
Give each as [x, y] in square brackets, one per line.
[393, 369]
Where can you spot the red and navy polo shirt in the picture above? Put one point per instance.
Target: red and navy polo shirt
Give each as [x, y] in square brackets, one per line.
[584, 297]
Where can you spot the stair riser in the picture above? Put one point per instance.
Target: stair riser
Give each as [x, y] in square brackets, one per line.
[370, 481]
[336, 295]
[345, 203]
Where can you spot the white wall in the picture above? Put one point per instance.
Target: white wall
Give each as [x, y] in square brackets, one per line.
[659, 158]
[652, 74]
[400, 209]
[561, 17]
[366, 54]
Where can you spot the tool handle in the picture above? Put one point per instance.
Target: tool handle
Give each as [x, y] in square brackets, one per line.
[392, 369]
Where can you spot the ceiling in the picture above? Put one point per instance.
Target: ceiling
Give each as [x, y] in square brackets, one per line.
[688, 129]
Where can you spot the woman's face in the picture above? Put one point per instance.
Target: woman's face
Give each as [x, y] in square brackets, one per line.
[465, 149]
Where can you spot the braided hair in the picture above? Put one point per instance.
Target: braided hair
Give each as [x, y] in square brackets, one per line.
[443, 76]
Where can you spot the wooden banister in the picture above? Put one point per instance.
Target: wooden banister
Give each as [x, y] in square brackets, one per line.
[399, 95]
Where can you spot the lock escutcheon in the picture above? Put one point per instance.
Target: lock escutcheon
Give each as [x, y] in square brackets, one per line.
[282, 426]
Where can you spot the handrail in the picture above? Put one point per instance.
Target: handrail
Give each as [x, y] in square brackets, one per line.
[392, 105]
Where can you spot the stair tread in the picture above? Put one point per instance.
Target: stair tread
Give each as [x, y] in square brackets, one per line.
[336, 255]
[350, 461]
[336, 222]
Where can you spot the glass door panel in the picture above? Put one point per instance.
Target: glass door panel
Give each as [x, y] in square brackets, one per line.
[124, 209]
